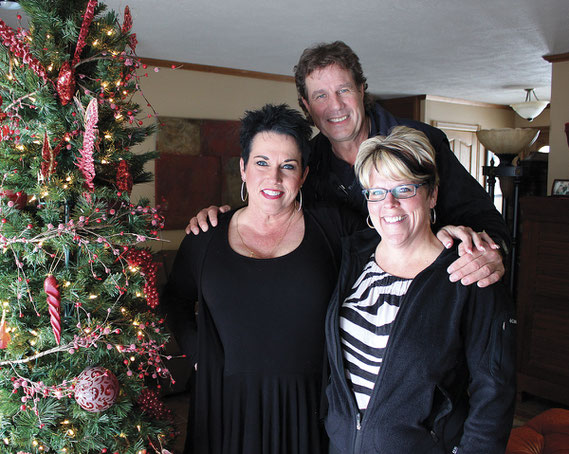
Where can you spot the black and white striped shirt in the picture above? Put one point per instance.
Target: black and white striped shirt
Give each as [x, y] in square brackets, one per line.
[366, 318]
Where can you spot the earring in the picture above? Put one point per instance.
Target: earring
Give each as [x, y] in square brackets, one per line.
[369, 224]
[433, 216]
[243, 197]
[300, 199]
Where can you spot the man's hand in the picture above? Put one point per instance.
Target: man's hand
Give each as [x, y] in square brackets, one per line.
[479, 260]
[200, 220]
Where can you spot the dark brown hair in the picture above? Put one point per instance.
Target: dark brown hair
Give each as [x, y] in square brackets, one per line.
[280, 119]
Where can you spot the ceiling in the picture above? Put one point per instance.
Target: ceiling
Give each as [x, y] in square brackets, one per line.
[479, 50]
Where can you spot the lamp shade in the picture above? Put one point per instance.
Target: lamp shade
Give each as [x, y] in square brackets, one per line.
[9, 4]
[529, 109]
[506, 143]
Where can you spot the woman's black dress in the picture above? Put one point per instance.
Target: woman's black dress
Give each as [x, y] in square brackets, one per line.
[260, 342]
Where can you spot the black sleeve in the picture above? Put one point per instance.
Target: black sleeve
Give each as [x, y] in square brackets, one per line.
[490, 341]
[462, 200]
[179, 297]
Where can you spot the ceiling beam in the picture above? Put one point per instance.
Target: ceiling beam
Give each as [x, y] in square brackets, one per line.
[557, 57]
[216, 70]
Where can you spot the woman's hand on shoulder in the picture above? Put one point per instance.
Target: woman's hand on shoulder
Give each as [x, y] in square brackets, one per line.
[200, 221]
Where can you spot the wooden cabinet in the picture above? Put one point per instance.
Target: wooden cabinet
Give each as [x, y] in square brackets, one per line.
[543, 298]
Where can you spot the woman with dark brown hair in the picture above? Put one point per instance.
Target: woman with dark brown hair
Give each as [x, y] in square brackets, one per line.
[262, 280]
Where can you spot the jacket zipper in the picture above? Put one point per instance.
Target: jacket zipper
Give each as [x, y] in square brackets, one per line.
[358, 440]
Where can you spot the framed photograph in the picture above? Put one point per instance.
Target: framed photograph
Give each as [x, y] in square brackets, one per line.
[560, 187]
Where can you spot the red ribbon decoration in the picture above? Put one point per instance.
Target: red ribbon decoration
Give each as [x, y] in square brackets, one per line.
[87, 19]
[127, 24]
[65, 83]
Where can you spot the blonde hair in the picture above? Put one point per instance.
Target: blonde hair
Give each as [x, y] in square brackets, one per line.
[404, 154]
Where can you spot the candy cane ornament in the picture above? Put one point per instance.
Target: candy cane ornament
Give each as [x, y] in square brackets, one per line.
[51, 288]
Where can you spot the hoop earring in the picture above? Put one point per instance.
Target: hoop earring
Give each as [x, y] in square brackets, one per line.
[369, 223]
[300, 197]
[433, 216]
[243, 197]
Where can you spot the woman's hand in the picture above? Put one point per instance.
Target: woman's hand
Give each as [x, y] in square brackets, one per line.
[479, 260]
[200, 220]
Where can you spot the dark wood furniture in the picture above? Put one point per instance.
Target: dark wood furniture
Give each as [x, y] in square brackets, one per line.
[543, 298]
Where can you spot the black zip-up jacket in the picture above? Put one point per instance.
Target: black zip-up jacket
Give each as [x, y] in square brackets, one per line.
[461, 199]
[447, 381]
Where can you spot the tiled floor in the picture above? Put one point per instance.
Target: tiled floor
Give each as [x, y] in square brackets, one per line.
[526, 408]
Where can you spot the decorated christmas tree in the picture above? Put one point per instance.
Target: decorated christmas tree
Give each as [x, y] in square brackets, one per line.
[80, 340]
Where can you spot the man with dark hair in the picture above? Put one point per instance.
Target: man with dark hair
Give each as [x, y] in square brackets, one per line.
[331, 90]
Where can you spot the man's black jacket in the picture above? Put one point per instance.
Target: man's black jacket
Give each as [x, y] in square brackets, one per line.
[461, 199]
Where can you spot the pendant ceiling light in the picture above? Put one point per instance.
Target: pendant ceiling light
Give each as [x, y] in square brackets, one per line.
[9, 4]
[529, 109]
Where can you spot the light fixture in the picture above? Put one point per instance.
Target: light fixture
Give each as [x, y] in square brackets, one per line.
[506, 143]
[529, 109]
[9, 4]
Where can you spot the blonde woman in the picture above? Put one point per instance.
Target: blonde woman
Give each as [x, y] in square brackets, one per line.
[419, 364]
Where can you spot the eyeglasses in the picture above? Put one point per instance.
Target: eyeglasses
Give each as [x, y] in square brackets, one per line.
[403, 191]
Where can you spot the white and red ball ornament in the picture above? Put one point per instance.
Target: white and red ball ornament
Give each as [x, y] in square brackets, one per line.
[96, 389]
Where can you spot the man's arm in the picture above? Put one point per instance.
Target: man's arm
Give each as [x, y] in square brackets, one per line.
[462, 201]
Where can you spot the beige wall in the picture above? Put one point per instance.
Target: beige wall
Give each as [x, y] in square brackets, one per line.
[559, 151]
[193, 94]
[486, 117]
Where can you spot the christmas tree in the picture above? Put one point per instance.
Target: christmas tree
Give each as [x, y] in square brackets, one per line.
[80, 340]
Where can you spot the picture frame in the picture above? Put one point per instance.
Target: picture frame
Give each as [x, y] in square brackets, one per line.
[560, 188]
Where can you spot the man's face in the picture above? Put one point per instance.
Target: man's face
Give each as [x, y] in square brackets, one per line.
[336, 104]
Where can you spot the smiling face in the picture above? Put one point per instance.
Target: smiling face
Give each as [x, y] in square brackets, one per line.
[336, 104]
[401, 222]
[273, 174]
